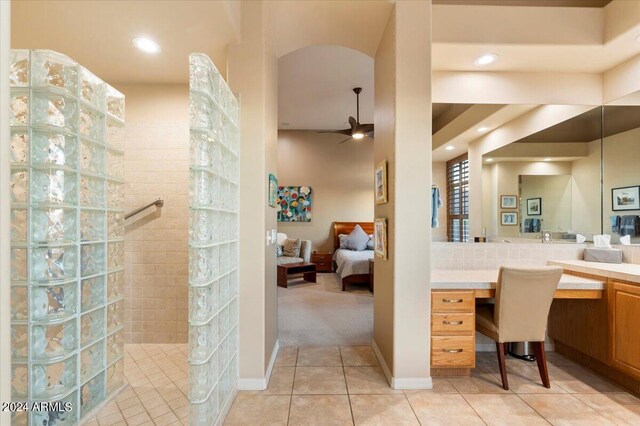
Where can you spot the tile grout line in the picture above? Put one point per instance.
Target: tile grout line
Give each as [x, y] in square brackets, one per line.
[346, 385]
[533, 408]
[295, 370]
[474, 410]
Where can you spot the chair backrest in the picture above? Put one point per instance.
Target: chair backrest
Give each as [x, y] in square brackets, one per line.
[523, 301]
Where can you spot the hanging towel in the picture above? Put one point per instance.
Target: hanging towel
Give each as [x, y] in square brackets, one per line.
[615, 223]
[629, 225]
[536, 225]
[436, 203]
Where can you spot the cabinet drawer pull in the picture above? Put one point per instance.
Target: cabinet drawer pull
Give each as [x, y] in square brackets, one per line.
[445, 322]
[452, 351]
[452, 300]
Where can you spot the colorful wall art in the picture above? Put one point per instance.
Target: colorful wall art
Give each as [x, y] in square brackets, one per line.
[294, 203]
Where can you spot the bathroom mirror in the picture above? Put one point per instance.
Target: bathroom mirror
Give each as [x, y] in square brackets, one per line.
[621, 169]
[547, 181]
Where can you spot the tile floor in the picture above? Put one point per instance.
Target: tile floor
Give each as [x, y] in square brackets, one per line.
[158, 388]
[345, 385]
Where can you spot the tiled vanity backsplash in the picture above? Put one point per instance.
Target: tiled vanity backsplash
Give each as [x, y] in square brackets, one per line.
[477, 256]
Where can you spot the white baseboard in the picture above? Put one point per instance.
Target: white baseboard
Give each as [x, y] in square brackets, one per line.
[382, 362]
[397, 383]
[261, 383]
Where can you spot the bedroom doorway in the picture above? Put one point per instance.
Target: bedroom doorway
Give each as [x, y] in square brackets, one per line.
[324, 191]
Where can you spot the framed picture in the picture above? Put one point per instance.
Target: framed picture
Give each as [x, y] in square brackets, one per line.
[534, 206]
[626, 198]
[381, 182]
[380, 238]
[509, 219]
[508, 201]
[294, 203]
[273, 190]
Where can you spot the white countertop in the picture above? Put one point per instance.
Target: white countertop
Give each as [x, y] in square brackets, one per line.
[486, 279]
[621, 271]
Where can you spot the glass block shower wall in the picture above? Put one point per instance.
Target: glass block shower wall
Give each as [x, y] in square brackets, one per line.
[213, 241]
[67, 237]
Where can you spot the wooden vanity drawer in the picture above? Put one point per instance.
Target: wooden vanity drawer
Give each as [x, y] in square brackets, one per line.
[453, 351]
[452, 301]
[452, 324]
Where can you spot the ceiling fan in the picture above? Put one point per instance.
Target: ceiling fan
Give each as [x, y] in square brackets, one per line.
[357, 130]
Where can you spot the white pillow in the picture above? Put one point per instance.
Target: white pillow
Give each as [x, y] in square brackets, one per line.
[281, 238]
[357, 240]
[370, 242]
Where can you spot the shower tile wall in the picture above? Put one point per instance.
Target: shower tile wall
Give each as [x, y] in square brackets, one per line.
[67, 237]
[156, 240]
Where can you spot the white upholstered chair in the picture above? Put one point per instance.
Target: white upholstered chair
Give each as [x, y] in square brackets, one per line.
[520, 313]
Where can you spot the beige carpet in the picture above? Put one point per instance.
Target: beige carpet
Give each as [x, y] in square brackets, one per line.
[319, 314]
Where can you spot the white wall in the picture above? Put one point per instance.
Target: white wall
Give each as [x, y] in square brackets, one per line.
[403, 138]
[253, 74]
[555, 193]
[585, 191]
[341, 176]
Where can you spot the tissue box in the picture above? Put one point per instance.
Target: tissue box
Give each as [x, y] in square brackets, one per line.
[603, 255]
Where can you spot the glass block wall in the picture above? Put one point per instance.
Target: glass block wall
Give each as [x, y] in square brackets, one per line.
[213, 241]
[67, 237]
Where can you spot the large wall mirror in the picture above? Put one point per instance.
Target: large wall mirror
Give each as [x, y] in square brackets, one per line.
[621, 169]
[571, 170]
[548, 181]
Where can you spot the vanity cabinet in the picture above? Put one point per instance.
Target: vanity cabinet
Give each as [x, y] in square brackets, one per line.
[452, 330]
[624, 317]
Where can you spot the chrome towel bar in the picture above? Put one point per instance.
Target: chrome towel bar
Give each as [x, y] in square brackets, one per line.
[158, 203]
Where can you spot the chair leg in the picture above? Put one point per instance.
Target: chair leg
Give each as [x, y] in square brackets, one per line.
[541, 359]
[500, 348]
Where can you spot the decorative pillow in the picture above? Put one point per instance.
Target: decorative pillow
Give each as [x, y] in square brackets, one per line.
[279, 250]
[291, 248]
[370, 242]
[357, 239]
[343, 238]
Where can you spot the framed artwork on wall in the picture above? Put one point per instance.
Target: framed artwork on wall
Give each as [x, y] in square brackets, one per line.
[294, 203]
[273, 190]
[380, 238]
[626, 198]
[381, 182]
[534, 207]
[508, 201]
[509, 219]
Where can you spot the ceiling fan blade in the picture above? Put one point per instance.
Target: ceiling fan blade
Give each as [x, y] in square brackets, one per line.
[340, 132]
[347, 139]
[354, 123]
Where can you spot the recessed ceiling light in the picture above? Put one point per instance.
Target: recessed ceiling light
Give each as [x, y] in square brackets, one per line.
[547, 159]
[450, 148]
[357, 135]
[482, 129]
[146, 45]
[488, 160]
[486, 59]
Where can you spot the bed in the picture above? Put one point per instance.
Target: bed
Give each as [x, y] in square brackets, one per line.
[351, 266]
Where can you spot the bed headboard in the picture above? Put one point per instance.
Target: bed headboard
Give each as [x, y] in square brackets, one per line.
[346, 228]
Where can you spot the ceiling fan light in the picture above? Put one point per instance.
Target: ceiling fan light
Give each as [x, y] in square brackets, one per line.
[357, 135]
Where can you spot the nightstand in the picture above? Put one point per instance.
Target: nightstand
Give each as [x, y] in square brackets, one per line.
[323, 261]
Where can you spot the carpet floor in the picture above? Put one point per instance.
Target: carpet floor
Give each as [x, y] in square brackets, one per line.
[320, 314]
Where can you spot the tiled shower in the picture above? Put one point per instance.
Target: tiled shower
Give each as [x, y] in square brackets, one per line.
[67, 237]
